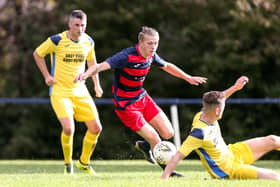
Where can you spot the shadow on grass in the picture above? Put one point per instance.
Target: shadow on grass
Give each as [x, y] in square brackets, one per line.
[30, 167]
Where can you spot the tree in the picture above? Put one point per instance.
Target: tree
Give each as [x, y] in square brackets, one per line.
[217, 39]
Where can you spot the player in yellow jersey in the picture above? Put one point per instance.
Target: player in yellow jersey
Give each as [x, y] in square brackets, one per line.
[69, 52]
[223, 161]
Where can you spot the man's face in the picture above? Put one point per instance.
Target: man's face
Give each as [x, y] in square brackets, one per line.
[149, 45]
[77, 26]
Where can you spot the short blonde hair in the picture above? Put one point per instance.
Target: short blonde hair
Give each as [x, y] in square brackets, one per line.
[147, 31]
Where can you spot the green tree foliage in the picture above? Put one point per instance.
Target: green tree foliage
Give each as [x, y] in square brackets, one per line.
[217, 39]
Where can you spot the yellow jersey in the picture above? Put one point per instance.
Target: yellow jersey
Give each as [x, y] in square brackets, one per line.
[208, 143]
[68, 58]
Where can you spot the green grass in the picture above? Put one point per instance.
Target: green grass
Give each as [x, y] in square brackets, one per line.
[127, 173]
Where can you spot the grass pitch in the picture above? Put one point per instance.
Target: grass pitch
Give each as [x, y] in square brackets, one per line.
[125, 173]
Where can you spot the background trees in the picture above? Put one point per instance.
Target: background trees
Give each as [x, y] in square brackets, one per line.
[217, 39]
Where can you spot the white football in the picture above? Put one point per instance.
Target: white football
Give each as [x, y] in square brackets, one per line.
[163, 152]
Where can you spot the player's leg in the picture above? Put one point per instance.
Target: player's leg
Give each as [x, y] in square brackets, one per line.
[267, 174]
[163, 126]
[159, 121]
[245, 153]
[157, 118]
[246, 171]
[144, 147]
[67, 134]
[166, 133]
[132, 117]
[90, 140]
[86, 111]
[149, 134]
[151, 138]
[89, 143]
[262, 145]
[64, 112]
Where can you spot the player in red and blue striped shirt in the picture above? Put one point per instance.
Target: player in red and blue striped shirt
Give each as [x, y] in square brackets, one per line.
[135, 108]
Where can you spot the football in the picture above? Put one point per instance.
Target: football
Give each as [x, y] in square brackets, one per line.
[163, 152]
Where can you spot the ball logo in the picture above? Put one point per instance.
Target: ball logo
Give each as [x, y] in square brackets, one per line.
[164, 151]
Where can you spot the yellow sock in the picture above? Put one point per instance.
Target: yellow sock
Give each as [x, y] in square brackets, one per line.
[67, 147]
[89, 144]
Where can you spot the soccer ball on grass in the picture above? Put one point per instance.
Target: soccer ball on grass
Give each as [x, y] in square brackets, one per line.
[163, 152]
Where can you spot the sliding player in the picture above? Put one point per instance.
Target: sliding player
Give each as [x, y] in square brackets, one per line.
[223, 161]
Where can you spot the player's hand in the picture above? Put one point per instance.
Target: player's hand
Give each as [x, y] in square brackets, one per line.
[80, 77]
[241, 82]
[50, 80]
[195, 80]
[98, 91]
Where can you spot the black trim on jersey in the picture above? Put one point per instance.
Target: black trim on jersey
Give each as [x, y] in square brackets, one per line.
[130, 100]
[55, 39]
[132, 78]
[138, 65]
[129, 88]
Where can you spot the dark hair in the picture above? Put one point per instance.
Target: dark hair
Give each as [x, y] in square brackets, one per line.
[147, 30]
[78, 14]
[212, 98]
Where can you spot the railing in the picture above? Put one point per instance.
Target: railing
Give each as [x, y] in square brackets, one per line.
[172, 102]
[163, 101]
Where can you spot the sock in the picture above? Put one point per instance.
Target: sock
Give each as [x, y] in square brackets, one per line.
[67, 147]
[162, 166]
[146, 145]
[89, 144]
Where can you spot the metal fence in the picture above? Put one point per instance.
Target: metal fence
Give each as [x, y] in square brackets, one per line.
[172, 102]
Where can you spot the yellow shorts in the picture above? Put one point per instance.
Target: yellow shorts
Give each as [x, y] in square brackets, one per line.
[82, 107]
[243, 157]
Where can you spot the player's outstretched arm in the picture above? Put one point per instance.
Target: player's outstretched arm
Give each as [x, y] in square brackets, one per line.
[92, 70]
[177, 72]
[172, 165]
[238, 85]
